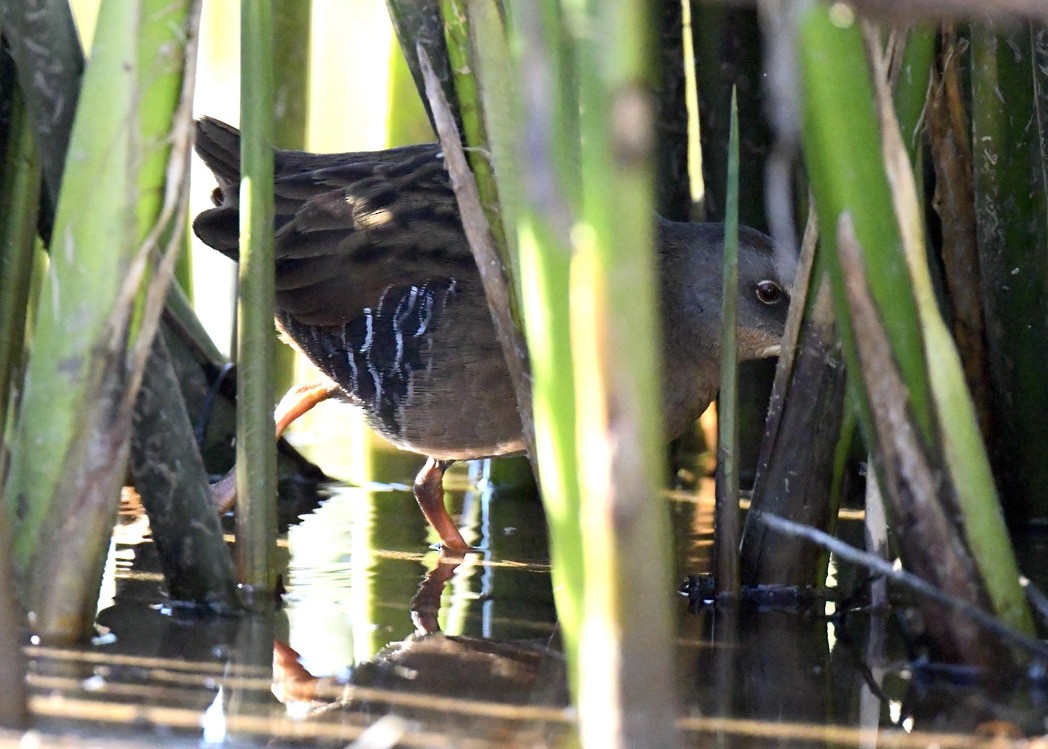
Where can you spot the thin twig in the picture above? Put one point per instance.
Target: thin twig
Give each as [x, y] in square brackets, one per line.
[857, 556]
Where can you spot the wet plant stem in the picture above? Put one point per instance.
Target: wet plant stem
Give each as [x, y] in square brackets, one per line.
[256, 449]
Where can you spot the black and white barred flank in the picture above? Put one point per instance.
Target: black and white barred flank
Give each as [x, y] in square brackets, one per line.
[378, 354]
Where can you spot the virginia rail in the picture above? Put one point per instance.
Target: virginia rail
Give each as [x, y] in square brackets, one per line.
[376, 284]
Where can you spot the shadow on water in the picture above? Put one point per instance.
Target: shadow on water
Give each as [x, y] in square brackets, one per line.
[377, 634]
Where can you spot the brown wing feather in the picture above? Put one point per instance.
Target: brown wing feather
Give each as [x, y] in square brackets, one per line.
[348, 226]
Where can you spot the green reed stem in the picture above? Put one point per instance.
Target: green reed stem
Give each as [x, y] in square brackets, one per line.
[256, 448]
[727, 521]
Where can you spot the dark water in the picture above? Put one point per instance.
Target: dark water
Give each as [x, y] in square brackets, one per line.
[377, 639]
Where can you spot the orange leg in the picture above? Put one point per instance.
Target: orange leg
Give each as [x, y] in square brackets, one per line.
[429, 493]
[301, 399]
[296, 402]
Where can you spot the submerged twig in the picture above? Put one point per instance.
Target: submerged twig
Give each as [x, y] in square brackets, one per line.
[919, 585]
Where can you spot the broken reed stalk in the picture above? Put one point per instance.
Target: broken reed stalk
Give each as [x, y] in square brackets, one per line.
[794, 475]
[792, 331]
[797, 480]
[727, 514]
[419, 22]
[256, 448]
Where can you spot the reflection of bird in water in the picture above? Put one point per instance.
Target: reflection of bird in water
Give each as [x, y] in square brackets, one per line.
[376, 284]
[464, 685]
[436, 664]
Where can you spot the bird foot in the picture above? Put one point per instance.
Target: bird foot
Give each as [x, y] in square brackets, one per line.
[450, 553]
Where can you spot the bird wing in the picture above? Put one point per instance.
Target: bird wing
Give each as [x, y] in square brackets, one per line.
[349, 227]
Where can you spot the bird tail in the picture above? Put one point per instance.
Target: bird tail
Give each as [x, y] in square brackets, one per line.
[218, 144]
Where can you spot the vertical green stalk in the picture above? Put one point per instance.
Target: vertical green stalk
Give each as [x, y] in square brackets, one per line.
[1010, 160]
[833, 135]
[256, 448]
[627, 643]
[19, 199]
[82, 279]
[495, 160]
[467, 90]
[290, 115]
[911, 88]
[726, 526]
[548, 145]
[291, 29]
[100, 303]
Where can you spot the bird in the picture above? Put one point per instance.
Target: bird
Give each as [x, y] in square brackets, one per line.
[376, 284]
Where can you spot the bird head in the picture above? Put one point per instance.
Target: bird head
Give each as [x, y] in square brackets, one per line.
[692, 287]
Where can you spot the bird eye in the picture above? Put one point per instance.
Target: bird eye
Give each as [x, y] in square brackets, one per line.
[769, 292]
